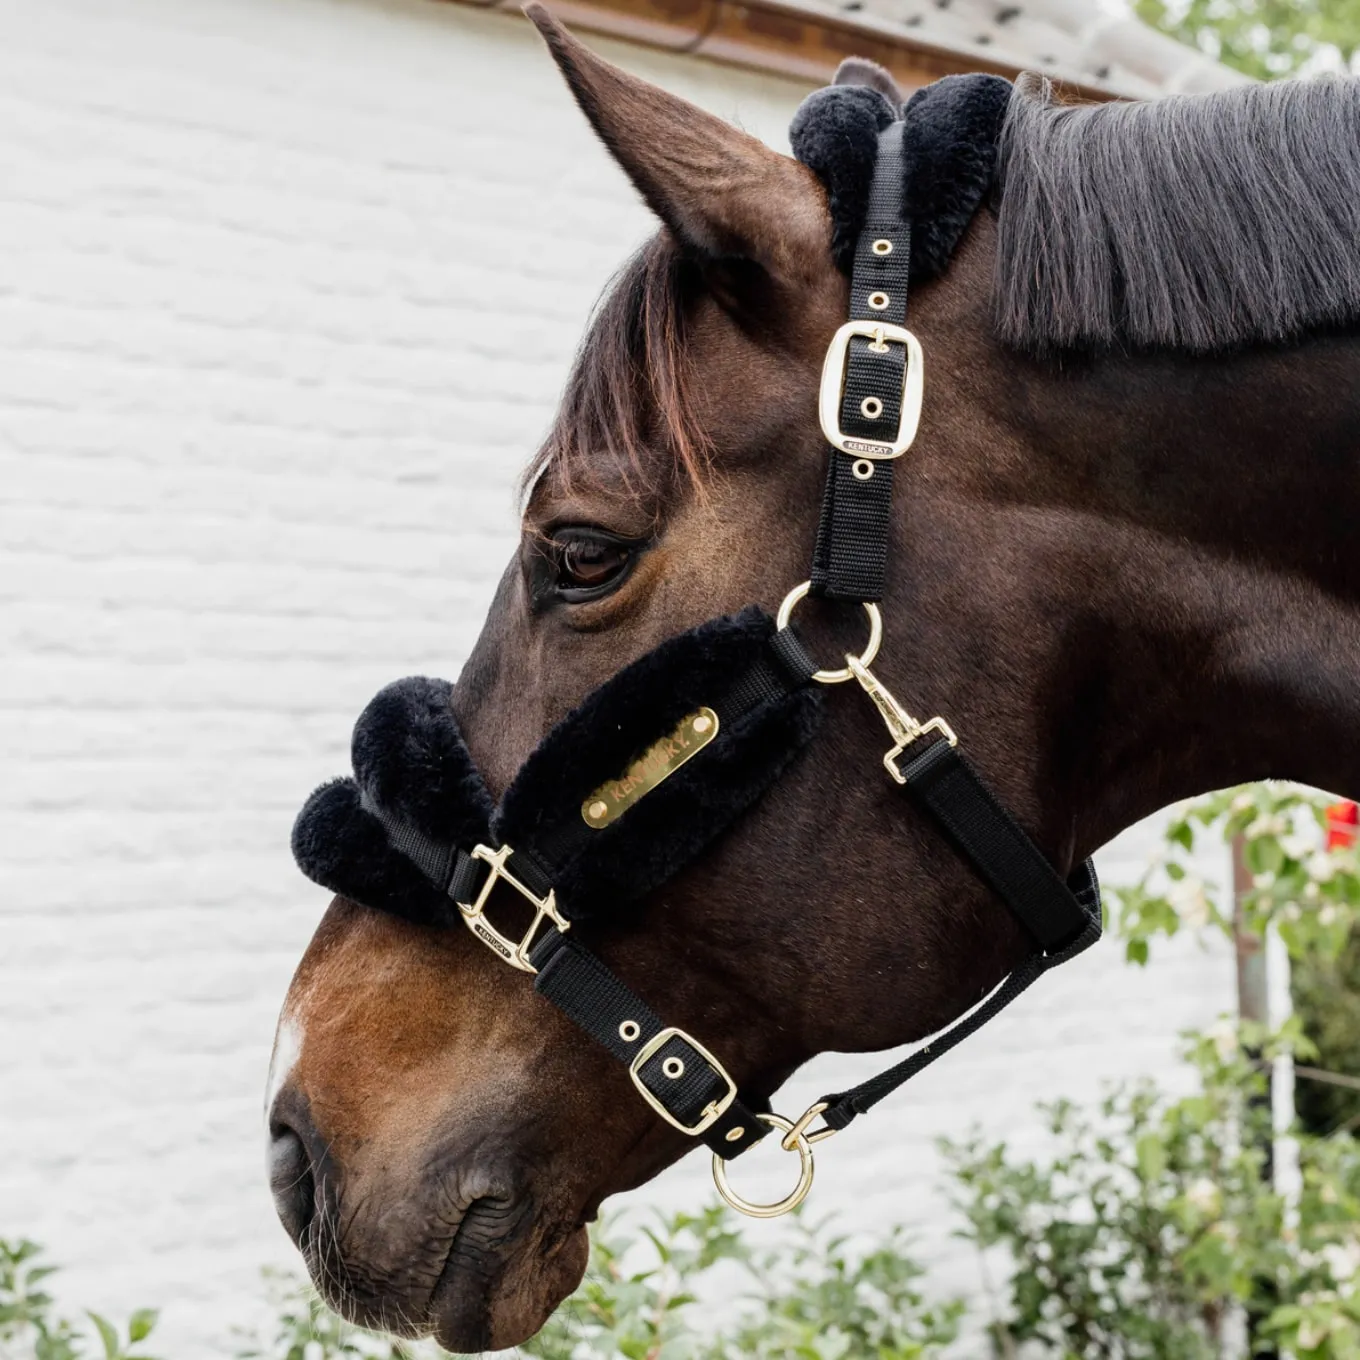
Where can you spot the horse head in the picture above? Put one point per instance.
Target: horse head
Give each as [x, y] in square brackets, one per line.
[440, 1134]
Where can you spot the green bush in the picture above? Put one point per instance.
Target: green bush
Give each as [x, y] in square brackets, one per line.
[1154, 1228]
[1327, 999]
[305, 1329]
[815, 1298]
[1310, 895]
[1307, 893]
[1264, 38]
[29, 1328]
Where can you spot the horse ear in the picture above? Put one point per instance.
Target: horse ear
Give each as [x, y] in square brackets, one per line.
[721, 191]
[862, 71]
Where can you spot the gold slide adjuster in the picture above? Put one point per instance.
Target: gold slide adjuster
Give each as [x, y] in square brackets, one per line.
[514, 952]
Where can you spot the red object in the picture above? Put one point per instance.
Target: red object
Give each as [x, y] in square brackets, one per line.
[1343, 825]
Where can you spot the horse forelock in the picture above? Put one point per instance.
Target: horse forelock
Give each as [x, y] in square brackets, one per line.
[626, 414]
[1200, 223]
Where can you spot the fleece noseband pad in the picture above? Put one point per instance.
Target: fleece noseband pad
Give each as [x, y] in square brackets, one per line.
[414, 774]
[412, 771]
[608, 868]
[950, 157]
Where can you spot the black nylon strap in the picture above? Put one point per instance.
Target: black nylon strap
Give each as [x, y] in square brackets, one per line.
[434, 859]
[678, 1075]
[995, 845]
[843, 1107]
[850, 558]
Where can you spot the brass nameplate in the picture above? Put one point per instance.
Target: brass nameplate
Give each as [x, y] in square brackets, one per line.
[658, 762]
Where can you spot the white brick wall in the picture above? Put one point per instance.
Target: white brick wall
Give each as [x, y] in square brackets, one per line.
[260, 416]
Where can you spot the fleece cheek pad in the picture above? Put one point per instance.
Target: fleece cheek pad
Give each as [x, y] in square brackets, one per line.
[388, 837]
[767, 713]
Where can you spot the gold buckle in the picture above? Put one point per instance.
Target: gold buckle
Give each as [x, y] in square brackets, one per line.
[882, 333]
[711, 1112]
[902, 727]
[514, 952]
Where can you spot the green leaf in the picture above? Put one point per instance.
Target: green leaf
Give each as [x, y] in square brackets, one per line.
[142, 1324]
[108, 1335]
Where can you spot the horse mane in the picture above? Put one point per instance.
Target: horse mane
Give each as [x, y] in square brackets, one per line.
[1199, 223]
[629, 383]
[1196, 222]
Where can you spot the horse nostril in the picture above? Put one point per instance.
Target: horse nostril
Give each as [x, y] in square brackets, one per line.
[291, 1180]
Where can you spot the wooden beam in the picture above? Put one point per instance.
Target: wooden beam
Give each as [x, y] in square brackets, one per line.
[779, 36]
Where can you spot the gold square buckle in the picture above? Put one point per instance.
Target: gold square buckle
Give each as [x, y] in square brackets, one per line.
[514, 952]
[922, 729]
[882, 334]
[712, 1112]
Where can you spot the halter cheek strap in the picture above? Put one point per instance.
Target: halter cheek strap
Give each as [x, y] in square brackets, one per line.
[663, 758]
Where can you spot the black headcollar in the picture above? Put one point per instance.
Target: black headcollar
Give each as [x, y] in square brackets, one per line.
[642, 776]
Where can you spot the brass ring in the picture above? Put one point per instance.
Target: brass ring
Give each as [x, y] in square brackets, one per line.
[790, 1201]
[799, 593]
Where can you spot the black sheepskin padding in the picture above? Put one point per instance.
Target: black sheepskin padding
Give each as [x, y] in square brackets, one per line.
[671, 824]
[410, 759]
[952, 129]
[835, 134]
[343, 847]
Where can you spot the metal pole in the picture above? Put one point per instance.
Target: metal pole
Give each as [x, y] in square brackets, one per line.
[1253, 1003]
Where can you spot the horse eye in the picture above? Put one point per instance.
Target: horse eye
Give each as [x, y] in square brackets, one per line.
[586, 562]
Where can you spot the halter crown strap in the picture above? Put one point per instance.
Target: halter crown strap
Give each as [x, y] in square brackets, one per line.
[851, 554]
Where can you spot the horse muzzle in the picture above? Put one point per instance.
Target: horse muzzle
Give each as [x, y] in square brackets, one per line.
[461, 1250]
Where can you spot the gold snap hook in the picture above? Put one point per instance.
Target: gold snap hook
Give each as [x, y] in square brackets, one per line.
[791, 602]
[790, 1201]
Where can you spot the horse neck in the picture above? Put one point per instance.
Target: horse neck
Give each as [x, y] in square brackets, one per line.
[1135, 579]
[1208, 511]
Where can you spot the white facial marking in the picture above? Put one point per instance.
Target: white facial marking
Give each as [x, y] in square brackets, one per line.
[287, 1050]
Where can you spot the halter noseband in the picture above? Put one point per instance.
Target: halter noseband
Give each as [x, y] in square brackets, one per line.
[717, 714]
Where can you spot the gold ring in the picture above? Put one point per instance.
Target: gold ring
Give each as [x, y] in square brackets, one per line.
[790, 1201]
[799, 593]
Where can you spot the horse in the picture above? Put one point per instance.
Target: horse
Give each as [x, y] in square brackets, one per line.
[1123, 566]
